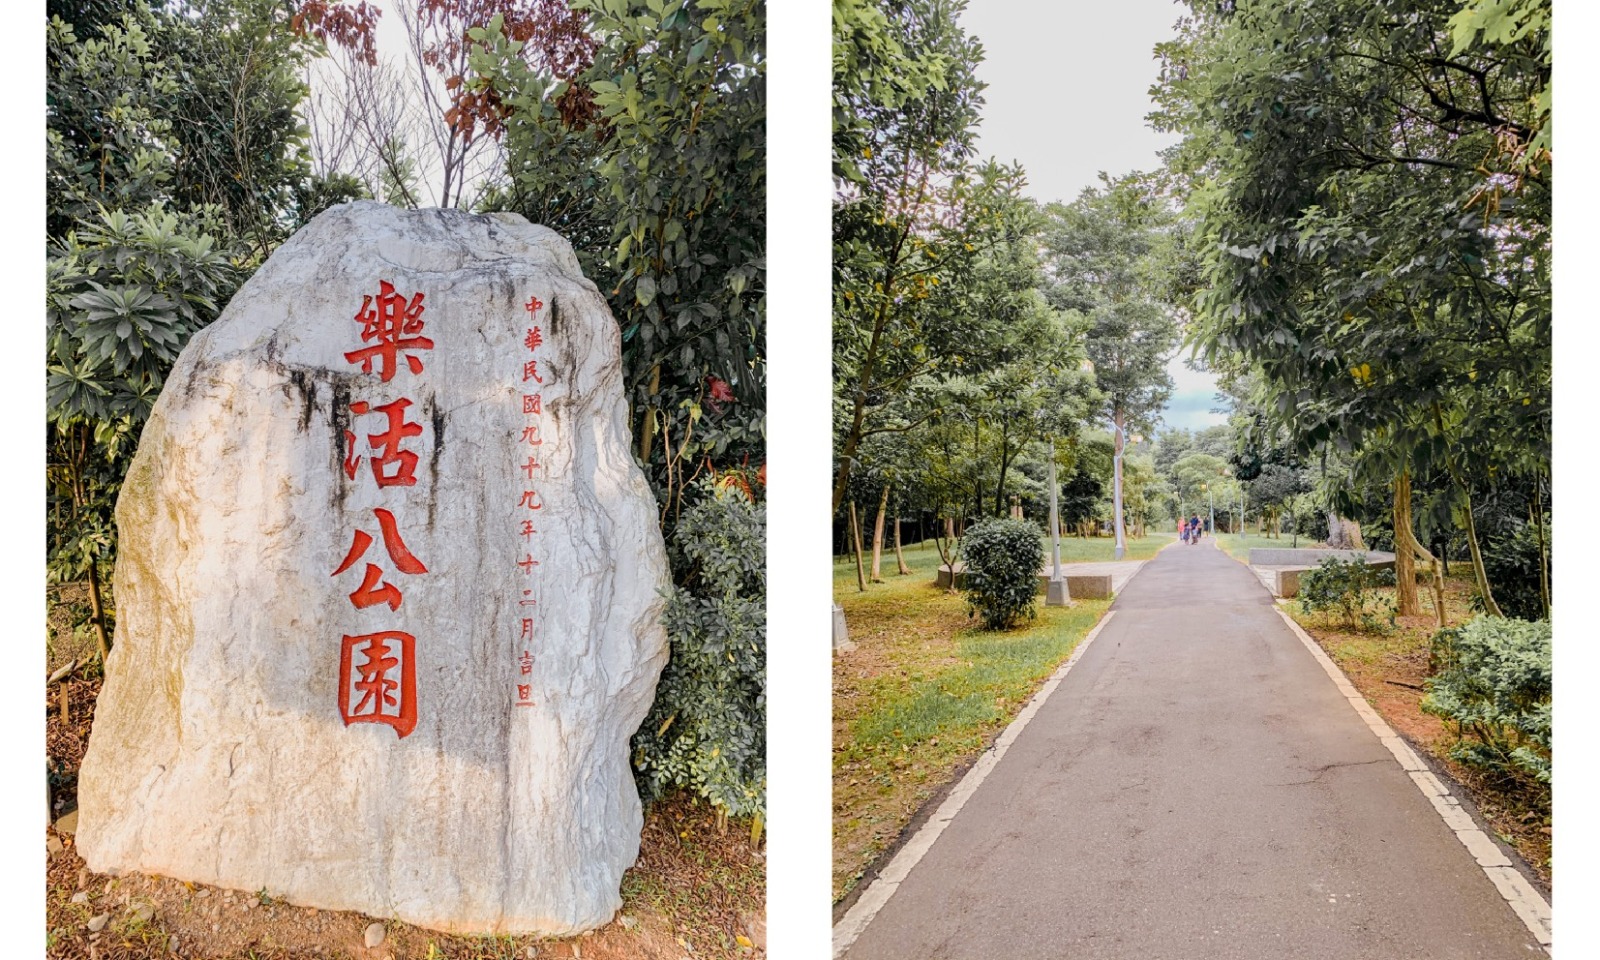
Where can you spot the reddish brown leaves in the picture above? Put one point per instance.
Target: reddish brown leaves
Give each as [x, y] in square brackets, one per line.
[554, 41]
[352, 27]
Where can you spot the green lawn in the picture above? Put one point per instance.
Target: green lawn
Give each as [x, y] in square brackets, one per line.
[1239, 547]
[923, 558]
[925, 690]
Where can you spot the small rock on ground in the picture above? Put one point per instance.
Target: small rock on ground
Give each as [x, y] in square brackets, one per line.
[202, 893]
[96, 924]
[53, 845]
[755, 927]
[82, 896]
[375, 934]
[68, 824]
[144, 913]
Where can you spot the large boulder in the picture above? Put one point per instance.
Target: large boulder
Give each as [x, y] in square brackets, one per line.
[389, 589]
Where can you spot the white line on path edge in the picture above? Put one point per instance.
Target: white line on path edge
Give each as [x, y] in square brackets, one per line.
[1513, 886]
[888, 881]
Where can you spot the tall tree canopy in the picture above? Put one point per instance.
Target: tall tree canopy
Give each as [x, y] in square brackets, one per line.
[1372, 190]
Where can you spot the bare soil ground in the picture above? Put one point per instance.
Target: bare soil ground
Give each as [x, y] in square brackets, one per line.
[697, 891]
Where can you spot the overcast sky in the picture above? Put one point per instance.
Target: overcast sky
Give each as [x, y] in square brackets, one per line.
[1068, 91]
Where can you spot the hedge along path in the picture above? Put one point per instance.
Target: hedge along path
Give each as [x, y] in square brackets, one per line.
[1194, 787]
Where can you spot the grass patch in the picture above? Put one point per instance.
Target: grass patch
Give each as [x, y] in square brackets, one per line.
[923, 693]
[923, 558]
[1239, 547]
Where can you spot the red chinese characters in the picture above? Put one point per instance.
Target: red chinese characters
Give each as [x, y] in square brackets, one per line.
[393, 327]
[530, 499]
[369, 592]
[393, 466]
[378, 680]
[377, 671]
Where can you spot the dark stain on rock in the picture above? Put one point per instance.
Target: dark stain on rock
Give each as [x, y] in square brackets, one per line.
[554, 317]
[437, 417]
[339, 420]
[306, 387]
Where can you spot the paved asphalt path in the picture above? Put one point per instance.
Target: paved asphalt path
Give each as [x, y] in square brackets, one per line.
[1196, 788]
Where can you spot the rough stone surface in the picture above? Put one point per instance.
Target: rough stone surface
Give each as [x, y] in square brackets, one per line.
[841, 631]
[220, 752]
[374, 935]
[1311, 556]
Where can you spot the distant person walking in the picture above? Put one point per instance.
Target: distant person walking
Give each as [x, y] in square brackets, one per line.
[1183, 529]
[1194, 526]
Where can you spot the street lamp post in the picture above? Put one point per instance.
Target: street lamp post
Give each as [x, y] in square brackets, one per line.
[1116, 492]
[1055, 594]
[1211, 502]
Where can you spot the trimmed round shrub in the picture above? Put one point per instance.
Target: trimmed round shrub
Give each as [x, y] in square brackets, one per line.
[1003, 561]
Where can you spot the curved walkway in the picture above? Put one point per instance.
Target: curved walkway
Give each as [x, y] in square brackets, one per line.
[1195, 786]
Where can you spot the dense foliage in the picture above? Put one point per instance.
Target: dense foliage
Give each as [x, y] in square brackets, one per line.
[1348, 587]
[663, 193]
[1370, 185]
[1493, 688]
[171, 171]
[707, 729]
[1003, 560]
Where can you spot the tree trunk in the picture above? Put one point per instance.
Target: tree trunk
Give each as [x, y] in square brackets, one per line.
[1478, 572]
[949, 550]
[1544, 548]
[877, 536]
[1119, 528]
[899, 557]
[1405, 571]
[97, 614]
[855, 534]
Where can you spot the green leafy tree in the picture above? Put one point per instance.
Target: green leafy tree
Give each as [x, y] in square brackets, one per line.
[909, 216]
[670, 166]
[122, 298]
[139, 253]
[1101, 259]
[1376, 233]
[648, 153]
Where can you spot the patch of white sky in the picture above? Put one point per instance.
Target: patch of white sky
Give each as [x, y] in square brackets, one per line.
[394, 51]
[1068, 92]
